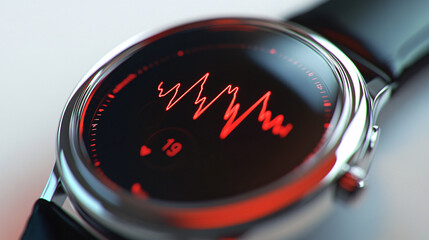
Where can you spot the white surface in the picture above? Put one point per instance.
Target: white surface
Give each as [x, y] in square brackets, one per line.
[47, 46]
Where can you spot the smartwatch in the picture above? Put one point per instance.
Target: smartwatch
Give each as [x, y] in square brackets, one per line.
[231, 128]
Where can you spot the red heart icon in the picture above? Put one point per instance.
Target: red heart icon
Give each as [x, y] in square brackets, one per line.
[144, 151]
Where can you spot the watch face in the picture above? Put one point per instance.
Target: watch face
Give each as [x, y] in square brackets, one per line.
[210, 112]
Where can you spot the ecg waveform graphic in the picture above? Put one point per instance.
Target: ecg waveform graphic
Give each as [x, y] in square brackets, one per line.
[231, 114]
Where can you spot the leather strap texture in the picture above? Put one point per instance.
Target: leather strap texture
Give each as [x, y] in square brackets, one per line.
[391, 34]
[50, 222]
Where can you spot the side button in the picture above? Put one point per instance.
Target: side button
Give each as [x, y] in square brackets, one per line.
[354, 178]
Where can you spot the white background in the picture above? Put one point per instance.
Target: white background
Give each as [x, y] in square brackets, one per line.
[47, 46]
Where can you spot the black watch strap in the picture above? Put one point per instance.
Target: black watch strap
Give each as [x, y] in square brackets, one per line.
[391, 34]
[50, 222]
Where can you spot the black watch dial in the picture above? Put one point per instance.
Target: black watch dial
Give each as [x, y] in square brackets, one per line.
[209, 112]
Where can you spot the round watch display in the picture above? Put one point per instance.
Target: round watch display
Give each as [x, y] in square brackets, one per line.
[209, 113]
[209, 127]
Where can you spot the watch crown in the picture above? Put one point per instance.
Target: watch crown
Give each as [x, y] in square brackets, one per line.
[354, 178]
[351, 182]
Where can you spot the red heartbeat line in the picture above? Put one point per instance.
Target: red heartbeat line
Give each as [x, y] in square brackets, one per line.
[232, 111]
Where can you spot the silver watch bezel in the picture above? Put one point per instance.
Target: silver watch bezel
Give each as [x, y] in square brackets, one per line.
[124, 216]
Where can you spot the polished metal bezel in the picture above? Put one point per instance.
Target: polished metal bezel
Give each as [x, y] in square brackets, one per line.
[117, 211]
